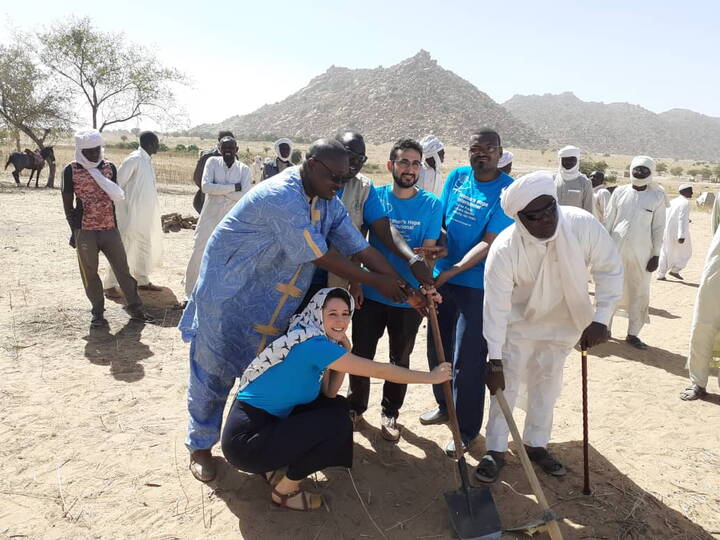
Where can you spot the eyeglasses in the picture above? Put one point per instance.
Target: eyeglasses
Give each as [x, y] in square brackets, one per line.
[485, 149]
[357, 158]
[537, 215]
[406, 163]
[333, 176]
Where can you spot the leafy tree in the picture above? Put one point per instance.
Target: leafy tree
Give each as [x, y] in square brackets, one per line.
[30, 102]
[706, 173]
[118, 80]
[193, 148]
[716, 171]
[693, 172]
[676, 171]
[661, 168]
[163, 147]
[180, 148]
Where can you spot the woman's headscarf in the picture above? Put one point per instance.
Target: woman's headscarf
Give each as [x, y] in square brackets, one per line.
[306, 325]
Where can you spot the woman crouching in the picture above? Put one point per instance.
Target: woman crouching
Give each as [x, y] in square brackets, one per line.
[288, 415]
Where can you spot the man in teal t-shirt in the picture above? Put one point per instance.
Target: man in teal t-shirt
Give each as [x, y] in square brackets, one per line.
[472, 218]
[417, 215]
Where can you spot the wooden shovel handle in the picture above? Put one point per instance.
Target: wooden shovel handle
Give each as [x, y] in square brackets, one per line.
[553, 527]
[447, 389]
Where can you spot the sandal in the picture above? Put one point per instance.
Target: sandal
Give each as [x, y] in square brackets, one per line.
[547, 463]
[272, 478]
[149, 287]
[204, 473]
[693, 392]
[310, 501]
[488, 470]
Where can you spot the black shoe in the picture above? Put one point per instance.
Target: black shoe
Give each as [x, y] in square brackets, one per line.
[547, 462]
[141, 316]
[436, 416]
[635, 342]
[98, 321]
[488, 470]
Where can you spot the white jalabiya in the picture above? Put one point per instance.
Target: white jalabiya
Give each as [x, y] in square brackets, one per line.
[218, 184]
[430, 179]
[705, 329]
[715, 217]
[636, 222]
[531, 318]
[138, 217]
[601, 197]
[674, 256]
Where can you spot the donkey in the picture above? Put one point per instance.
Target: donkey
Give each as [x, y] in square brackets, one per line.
[35, 161]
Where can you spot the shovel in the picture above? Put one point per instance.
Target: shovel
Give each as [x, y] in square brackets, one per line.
[472, 510]
[586, 462]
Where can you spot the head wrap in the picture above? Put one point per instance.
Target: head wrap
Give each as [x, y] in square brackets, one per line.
[563, 265]
[431, 146]
[569, 151]
[92, 139]
[277, 148]
[306, 325]
[505, 159]
[684, 186]
[642, 161]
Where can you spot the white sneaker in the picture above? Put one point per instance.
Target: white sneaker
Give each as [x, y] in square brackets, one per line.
[389, 430]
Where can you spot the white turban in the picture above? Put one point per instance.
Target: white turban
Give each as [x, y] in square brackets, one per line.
[563, 266]
[277, 148]
[431, 146]
[526, 189]
[646, 161]
[566, 152]
[92, 138]
[684, 186]
[505, 159]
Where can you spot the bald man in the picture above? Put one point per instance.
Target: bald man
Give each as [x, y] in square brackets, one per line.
[256, 269]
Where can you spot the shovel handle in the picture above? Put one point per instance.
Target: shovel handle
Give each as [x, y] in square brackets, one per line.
[447, 389]
[553, 527]
[586, 458]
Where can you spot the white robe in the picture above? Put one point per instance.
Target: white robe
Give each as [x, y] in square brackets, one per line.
[430, 180]
[138, 218]
[674, 256]
[705, 329]
[636, 222]
[533, 353]
[601, 197]
[218, 184]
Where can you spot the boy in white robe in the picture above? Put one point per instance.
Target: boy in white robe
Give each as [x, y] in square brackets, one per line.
[537, 307]
[677, 247]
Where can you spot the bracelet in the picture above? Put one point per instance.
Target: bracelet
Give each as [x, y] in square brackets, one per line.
[415, 258]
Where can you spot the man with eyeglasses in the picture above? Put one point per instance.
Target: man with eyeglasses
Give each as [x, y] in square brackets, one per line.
[417, 215]
[360, 198]
[472, 217]
[536, 309]
[635, 219]
[255, 271]
[573, 187]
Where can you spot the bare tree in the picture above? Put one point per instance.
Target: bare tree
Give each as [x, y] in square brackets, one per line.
[29, 102]
[118, 80]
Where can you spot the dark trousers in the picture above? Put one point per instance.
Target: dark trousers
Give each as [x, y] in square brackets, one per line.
[368, 326]
[89, 245]
[460, 317]
[315, 436]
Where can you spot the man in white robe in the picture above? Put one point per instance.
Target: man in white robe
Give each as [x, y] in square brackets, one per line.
[715, 217]
[225, 180]
[537, 307]
[601, 194]
[677, 246]
[430, 178]
[635, 219]
[573, 187]
[505, 162]
[705, 329]
[138, 216]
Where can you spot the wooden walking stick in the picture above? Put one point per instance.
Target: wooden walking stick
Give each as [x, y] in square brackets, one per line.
[586, 463]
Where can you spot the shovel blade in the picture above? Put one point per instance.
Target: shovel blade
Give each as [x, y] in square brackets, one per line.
[473, 514]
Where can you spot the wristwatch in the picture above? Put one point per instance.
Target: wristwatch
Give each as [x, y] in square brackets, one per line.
[415, 258]
[495, 368]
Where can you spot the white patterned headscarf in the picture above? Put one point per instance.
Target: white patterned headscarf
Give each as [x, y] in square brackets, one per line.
[306, 325]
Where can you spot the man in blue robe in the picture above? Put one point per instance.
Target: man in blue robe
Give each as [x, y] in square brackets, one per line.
[257, 267]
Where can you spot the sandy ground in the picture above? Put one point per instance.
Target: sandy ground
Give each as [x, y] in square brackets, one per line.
[92, 422]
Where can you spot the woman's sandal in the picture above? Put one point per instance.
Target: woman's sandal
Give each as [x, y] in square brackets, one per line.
[310, 501]
[547, 463]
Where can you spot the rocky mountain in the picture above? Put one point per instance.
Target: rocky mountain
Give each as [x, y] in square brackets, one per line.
[619, 128]
[411, 98]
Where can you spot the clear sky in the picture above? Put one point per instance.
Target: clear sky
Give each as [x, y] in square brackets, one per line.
[240, 55]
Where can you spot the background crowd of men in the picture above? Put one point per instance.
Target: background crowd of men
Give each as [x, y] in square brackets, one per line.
[509, 257]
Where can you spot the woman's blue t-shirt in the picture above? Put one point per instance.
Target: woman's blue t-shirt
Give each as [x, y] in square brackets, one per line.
[470, 209]
[294, 381]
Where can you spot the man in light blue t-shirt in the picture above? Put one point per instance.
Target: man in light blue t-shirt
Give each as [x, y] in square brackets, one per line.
[472, 218]
[417, 215]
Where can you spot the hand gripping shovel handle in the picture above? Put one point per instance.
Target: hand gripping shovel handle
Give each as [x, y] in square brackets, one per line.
[553, 527]
[447, 389]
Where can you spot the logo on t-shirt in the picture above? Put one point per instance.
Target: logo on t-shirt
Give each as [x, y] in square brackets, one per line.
[459, 181]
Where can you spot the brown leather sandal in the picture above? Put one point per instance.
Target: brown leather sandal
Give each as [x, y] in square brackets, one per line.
[310, 501]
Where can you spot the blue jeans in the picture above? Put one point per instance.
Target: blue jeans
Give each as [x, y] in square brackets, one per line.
[460, 317]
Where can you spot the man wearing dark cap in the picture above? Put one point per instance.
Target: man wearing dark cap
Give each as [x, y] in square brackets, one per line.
[256, 269]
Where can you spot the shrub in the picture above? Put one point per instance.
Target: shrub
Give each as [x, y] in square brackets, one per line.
[163, 147]
[676, 171]
[193, 148]
[180, 148]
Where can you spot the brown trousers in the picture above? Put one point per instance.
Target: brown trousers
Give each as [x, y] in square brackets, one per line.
[89, 245]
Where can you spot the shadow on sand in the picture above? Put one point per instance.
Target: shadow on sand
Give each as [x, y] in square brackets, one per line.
[122, 351]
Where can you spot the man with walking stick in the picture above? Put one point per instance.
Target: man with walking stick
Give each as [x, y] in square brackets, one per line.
[537, 308]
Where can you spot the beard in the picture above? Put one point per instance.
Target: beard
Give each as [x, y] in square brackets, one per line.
[405, 182]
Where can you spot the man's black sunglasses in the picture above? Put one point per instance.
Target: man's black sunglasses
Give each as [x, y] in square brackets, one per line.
[334, 177]
[537, 215]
